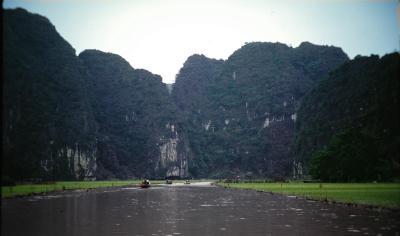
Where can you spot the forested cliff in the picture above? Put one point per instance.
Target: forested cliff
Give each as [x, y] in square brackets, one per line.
[92, 116]
[260, 113]
[349, 125]
[240, 113]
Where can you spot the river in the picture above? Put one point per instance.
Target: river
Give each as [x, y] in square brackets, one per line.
[194, 209]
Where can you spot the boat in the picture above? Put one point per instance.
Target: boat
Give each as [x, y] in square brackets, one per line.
[187, 182]
[168, 181]
[145, 184]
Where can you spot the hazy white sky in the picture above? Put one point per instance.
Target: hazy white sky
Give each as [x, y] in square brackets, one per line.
[159, 35]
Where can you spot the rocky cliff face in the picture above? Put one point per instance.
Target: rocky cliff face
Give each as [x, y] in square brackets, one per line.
[82, 162]
[135, 117]
[48, 128]
[174, 154]
[87, 117]
[94, 116]
[241, 113]
[355, 111]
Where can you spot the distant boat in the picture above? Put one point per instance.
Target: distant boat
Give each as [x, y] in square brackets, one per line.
[145, 184]
[168, 181]
[187, 182]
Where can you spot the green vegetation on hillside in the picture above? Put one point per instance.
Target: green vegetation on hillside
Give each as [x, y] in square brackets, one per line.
[131, 108]
[239, 114]
[69, 118]
[267, 110]
[348, 127]
[45, 112]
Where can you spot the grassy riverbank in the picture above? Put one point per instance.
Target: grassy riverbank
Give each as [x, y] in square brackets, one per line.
[377, 194]
[27, 189]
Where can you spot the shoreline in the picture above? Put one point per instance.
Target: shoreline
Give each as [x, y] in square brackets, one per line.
[61, 186]
[66, 187]
[66, 191]
[325, 200]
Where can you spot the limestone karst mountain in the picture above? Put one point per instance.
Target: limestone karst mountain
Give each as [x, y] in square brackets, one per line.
[92, 116]
[95, 116]
[137, 130]
[350, 123]
[48, 127]
[240, 113]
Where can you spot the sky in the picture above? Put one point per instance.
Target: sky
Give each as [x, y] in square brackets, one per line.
[159, 35]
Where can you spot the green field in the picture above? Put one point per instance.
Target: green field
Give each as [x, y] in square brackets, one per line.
[376, 194]
[27, 189]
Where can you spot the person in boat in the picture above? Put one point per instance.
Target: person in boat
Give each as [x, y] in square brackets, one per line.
[145, 183]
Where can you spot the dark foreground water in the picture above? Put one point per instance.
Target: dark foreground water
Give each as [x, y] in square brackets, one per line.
[187, 210]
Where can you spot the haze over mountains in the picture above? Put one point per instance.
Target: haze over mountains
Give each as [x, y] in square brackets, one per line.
[263, 112]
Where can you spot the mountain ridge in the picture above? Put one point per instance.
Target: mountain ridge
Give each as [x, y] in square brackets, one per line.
[93, 116]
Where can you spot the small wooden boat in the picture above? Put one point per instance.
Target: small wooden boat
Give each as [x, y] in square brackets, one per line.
[145, 184]
[187, 182]
[168, 181]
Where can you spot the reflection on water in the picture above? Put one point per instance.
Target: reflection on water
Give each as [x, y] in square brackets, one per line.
[188, 210]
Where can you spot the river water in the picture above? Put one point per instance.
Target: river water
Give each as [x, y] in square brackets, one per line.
[195, 209]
